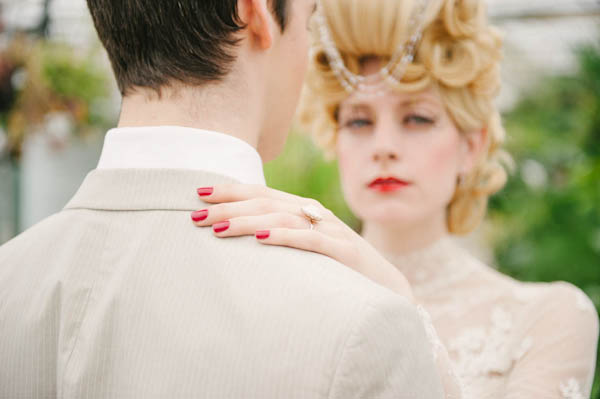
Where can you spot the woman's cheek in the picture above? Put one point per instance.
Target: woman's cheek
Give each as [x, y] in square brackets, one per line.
[349, 163]
[439, 172]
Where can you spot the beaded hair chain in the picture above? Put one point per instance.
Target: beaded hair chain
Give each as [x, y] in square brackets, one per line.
[391, 73]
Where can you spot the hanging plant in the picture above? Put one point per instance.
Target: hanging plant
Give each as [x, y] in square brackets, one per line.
[45, 87]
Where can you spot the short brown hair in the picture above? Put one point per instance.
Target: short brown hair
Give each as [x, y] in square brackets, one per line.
[151, 43]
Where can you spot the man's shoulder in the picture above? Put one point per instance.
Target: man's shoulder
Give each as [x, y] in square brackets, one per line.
[294, 274]
[147, 243]
[152, 277]
[29, 239]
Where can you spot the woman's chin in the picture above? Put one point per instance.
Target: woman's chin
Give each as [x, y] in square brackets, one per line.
[392, 216]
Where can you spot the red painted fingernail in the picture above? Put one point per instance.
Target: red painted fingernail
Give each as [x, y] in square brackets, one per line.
[221, 227]
[263, 234]
[199, 216]
[205, 191]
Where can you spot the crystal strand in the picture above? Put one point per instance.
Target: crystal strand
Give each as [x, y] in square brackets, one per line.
[394, 70]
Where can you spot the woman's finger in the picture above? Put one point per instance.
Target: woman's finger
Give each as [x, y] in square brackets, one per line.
[304, 239]
[253, 207]
[248, 225]
[243, 192]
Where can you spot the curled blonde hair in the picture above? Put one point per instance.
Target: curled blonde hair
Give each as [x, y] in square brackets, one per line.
[459, 55]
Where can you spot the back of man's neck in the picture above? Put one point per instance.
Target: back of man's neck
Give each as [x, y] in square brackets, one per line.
[187, 108]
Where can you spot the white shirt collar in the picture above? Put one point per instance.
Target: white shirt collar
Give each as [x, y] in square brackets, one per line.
[175, 147]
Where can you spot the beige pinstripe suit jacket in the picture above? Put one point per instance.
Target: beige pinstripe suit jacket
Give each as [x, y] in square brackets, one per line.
[120, 296]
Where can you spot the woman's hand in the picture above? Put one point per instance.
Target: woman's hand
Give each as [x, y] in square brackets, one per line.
[276, 218]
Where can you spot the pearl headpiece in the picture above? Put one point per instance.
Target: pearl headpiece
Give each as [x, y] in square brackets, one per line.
[391, 73]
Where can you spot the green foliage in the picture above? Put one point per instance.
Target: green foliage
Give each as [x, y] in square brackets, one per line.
[53, 80]
[72, 78]
[75, 80]
[548, 217]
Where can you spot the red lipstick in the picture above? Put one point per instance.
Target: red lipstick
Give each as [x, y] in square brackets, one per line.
[388, 184]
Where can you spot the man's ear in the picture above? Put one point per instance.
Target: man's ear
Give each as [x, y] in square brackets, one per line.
[259, 21]
[475, 144]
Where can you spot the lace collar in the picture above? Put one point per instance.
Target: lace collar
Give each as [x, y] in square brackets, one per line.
[435, 267]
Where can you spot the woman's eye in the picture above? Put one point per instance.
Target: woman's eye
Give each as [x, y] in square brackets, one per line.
[418, 120]
[357, 123]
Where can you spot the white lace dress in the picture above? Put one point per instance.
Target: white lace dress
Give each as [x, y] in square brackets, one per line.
[503, 338]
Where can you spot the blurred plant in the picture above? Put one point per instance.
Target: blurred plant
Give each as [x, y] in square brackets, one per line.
[46, 87]
[548, 217]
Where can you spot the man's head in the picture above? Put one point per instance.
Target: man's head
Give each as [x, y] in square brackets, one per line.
[155, 44]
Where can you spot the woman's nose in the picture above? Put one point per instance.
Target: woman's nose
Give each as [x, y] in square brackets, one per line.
[385, 146]
[385, 155]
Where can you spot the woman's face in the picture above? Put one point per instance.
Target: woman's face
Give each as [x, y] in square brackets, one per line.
[399, 155]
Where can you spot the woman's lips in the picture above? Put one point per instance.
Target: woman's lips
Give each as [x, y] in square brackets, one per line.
[388, 184]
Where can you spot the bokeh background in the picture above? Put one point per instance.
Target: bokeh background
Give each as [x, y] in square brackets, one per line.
[58, 98]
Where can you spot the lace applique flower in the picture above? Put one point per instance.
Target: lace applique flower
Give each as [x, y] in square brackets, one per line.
[479, 351]
[570, 389]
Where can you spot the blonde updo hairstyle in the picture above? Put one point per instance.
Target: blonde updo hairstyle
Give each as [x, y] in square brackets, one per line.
[459, 55]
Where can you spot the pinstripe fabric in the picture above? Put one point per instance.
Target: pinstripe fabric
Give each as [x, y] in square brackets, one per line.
[120, 296]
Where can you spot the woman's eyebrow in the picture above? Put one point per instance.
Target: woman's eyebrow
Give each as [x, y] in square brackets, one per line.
[354, 103]
[355, 107]
[420, 99]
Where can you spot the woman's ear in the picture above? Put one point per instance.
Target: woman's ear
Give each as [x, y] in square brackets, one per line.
[475, 143]
[258, 20]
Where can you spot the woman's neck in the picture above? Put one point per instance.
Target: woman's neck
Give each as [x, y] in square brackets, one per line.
[397, 239]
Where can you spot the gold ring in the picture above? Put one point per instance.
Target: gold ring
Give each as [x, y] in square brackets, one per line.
[313, 215]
